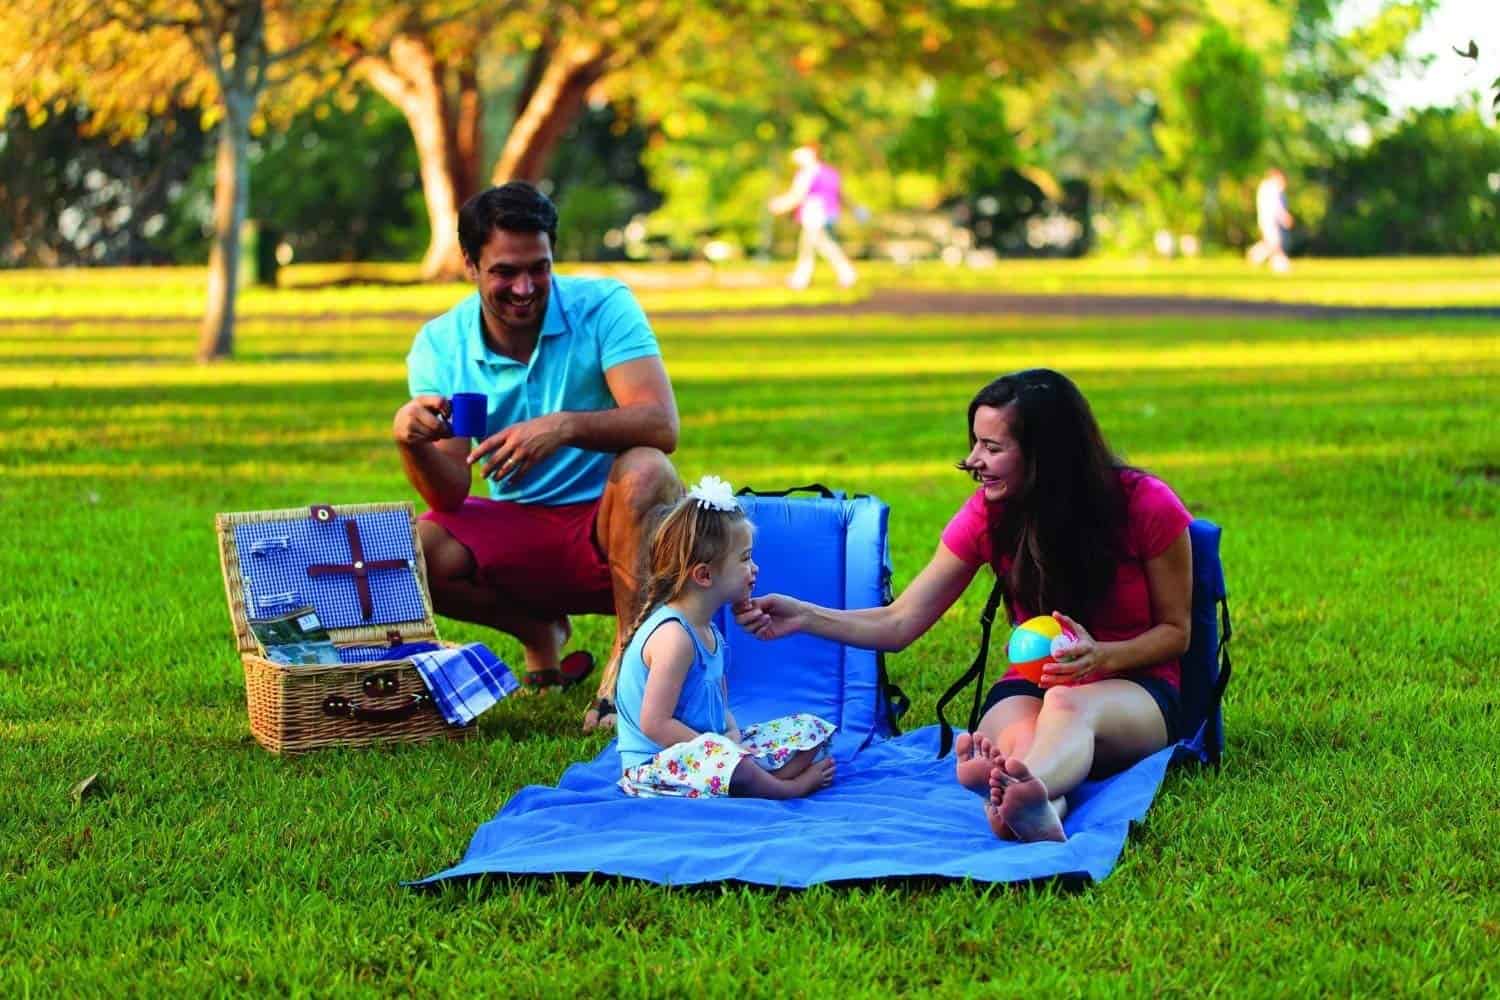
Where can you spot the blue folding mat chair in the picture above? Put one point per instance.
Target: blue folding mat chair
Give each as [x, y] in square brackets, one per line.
[894, 810]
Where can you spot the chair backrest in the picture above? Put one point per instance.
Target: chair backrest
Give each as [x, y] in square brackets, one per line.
[833, 550]
[1205, 666]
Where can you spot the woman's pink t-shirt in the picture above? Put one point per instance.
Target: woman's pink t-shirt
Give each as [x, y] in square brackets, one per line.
[1155, 519]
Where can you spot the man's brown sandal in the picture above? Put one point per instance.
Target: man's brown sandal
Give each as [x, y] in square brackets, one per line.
[574, 667]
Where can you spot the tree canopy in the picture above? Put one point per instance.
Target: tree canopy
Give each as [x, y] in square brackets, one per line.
[1147, 117]
[128, 61]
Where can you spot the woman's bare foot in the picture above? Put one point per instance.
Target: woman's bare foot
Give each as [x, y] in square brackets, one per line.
[992, 813]
[1019, 802]
[974, 752]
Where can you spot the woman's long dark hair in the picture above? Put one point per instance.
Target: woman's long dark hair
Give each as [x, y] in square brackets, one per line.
[1064, 529]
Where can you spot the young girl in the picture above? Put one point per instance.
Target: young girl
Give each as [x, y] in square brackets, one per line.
[677, 735]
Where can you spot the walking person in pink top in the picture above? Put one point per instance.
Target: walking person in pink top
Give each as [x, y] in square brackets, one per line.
[815, 195]
[1073, 532]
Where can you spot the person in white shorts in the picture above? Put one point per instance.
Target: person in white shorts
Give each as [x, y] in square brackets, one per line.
[1275, 222]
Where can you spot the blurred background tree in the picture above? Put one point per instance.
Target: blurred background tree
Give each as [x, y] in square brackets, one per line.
[430, 60]
[909, 102]
[1173, 139]
[336, 182]
[128, 62]
[70, 198]
[1430, 185]
[962, 127]
[1218, 98]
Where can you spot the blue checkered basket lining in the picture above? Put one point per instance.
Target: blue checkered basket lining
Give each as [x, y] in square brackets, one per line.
[274, 556]
[372, 654]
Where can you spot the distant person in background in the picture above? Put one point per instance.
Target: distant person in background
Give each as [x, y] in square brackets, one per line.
[815, 197]
[1275, 222]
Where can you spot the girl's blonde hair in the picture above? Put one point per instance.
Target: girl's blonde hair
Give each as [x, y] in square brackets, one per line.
[687, 533]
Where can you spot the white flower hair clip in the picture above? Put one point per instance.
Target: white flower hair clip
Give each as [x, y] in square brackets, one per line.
[715, 493]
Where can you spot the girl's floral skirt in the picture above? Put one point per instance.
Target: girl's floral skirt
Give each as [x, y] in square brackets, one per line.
[700, 768]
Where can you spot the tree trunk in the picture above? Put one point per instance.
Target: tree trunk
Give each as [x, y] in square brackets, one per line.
[231, 198]
[554, 105]
[468, 136]
[445, 132]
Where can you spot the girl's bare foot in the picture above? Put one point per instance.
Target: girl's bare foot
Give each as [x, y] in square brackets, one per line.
[798, 763]
[750, 780]
[974, 752]
[1019, 802]
[817, 776]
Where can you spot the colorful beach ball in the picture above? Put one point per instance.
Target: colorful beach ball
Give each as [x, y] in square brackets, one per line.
[1030, 646]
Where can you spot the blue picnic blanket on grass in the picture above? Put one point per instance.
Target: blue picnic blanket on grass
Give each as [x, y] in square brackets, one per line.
[893, 812]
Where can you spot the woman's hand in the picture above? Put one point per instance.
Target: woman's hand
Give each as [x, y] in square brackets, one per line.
[774, 616]
[1077, 660]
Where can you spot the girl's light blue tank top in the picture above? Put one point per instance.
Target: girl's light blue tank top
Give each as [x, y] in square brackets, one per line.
[700, 706]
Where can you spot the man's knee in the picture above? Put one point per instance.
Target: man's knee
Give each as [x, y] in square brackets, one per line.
[447, 558]
[644, 478]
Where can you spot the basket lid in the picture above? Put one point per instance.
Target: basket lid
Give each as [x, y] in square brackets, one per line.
[358, 565]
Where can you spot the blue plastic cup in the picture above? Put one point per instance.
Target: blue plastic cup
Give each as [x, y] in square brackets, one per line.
[471, 411]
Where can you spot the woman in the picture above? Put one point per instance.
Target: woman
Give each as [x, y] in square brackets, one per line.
[1071, 531]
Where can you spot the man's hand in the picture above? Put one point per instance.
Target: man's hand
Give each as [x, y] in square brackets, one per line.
[774, 616]
[422, 421]
[516, 450]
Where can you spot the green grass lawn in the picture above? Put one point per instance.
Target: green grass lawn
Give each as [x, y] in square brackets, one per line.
[1347, 845]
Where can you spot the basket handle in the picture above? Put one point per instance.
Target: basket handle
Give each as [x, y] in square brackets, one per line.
[339, 706]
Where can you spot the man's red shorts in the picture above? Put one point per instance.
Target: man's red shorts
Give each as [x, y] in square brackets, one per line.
[542, 557]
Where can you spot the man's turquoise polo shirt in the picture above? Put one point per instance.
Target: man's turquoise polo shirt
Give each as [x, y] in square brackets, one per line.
[592, 324]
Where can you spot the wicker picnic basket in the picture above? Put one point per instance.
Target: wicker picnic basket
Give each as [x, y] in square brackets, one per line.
[294, 709]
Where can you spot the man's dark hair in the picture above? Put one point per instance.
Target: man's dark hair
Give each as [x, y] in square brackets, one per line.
[516, 207]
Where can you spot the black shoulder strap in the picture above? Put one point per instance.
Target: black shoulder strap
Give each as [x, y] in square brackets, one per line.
[896, 702]
[974, 675]
[817, 488]
[1224, 633]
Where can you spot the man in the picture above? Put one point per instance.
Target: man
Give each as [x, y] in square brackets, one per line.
[581, 417]
[1274, 220]
[815, 195]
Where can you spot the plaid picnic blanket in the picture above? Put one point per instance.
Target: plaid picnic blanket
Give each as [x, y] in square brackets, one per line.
[466, 681]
